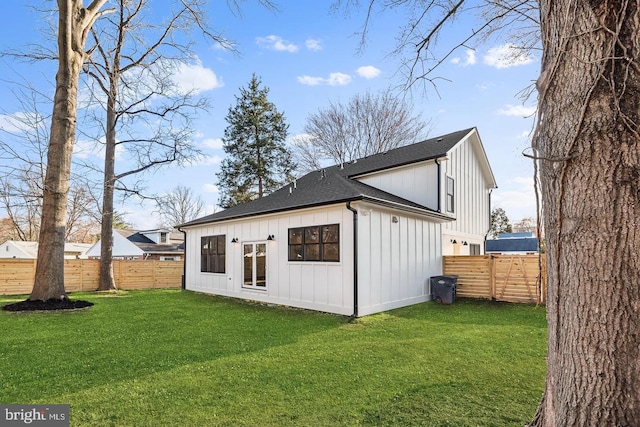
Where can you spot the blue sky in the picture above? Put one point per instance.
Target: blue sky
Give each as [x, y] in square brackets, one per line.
[309, 57]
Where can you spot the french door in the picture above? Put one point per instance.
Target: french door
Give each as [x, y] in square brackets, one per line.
[255, 265]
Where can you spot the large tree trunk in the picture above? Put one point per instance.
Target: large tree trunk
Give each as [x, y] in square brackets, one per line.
[589, 154]
[49, 277]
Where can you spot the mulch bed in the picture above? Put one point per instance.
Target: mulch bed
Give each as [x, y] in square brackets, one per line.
[48, 305]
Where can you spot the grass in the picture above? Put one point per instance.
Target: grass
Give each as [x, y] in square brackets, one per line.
[172, 358]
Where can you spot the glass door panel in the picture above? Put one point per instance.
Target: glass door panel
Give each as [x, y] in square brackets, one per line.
[247, 279]
[254, 265]
[261, 265]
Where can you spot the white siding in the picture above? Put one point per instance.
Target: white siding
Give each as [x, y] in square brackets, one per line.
[322, 286]
[418, 182]
[395, 259]
[472, 189]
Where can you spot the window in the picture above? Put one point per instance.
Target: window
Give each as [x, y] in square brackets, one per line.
[212, 254]
[474, 249]
[450, 194]
[317, 243]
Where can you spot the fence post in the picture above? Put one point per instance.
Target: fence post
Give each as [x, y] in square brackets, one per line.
[492, 275]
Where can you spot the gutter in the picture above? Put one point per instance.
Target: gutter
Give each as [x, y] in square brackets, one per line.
[183, 285]
[439, 183]
[355, 260]
[486, 236]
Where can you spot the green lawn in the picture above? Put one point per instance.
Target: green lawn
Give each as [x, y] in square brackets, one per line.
[172, 358]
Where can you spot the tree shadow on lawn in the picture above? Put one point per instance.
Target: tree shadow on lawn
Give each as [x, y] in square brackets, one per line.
[125, 338]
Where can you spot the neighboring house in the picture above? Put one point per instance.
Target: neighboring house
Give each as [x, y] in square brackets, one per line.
[157, 244]
[351, 239]
[513, 244]
[29, 250]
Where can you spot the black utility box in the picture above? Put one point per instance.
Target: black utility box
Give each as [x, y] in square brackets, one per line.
[443, 288]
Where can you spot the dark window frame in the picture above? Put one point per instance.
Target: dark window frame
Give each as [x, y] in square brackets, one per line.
[315, 243]
[213, 253]
[450, 192]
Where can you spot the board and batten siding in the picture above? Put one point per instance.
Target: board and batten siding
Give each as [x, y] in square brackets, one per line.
[416, 182]
[471, 195]
[321, 286]
[396, 258]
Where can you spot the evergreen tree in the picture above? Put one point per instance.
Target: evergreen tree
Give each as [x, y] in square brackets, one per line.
[258, 161]
[499, 223]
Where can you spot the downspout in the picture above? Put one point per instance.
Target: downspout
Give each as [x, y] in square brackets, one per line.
[355, 260]
[439, 183]
[489, 230]
[183, 286]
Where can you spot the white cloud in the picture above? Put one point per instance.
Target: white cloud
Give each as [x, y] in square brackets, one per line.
[83, 149]
[196, 78]
[313, 44]
[339, 79]
[507, 55]
[142, 218]
[276, 43]
[334, 79]
[517, 198]
[222, 46]
[215, 143]
[469, 59]
[517, 110]
[15, 123]
[368, 72]
[210, 188]
[205, 160]
[484, 85]
[310, 81]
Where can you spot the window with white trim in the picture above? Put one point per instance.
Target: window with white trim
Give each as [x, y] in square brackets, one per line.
[450, 195]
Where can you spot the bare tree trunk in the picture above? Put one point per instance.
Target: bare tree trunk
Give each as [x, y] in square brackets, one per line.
[107, 280]
[73, 23]
[588, 143]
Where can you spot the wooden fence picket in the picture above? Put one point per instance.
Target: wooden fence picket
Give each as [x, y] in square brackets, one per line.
[509, 278]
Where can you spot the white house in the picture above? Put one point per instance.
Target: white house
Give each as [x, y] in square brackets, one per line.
[351, 239]
[157, 244]
[29, 250]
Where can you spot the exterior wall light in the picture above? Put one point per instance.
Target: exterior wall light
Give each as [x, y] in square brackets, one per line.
[271, 237]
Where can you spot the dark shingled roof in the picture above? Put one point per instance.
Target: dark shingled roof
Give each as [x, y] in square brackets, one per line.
[335, 184]
[149, 246]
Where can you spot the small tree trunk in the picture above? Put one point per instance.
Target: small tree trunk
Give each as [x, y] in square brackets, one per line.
[588, 141]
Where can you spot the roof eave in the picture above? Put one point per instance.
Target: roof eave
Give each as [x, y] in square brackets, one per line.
[269, 212]
[435, 215]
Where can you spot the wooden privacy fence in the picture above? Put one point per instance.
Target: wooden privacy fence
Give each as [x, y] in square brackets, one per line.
[17, 275]
[513, 278]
